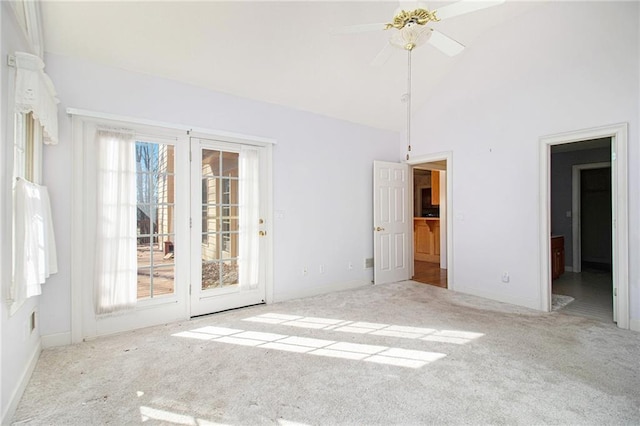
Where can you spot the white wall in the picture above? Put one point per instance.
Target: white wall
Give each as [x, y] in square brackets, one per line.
[560, 67]
[19, 349]
[322, 171]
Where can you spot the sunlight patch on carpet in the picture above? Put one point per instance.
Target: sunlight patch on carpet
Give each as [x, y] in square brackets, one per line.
[428, 334]
[327, 348]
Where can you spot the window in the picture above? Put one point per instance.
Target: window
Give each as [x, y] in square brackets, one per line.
[155, 177]
[27, 155]
[220, 218]
[205, 219]
[33, 247]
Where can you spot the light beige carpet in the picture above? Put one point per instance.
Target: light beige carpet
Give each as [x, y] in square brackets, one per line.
[403, 353]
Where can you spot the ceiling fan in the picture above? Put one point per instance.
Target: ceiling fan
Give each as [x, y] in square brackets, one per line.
[410, 28]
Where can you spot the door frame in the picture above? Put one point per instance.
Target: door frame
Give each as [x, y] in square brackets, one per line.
[430, 158]
[619, 206]
[576, 170]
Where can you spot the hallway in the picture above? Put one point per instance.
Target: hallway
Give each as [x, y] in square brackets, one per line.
[592, 291]
[430, 273]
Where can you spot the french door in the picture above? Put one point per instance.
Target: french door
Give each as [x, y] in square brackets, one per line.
[199, 235]
[228, 226]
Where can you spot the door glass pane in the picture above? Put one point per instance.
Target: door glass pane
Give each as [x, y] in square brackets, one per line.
[155, 219]
[210, 191]
[211, 246]
[219, 218]
[229, 272]
[210, 163]
[230, 164]
[210, 275]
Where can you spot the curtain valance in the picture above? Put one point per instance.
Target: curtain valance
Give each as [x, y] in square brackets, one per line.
[35, 93]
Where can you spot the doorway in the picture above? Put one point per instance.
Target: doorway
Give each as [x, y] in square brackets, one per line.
[200, 234]
[393, 217]
[614, 138]
[429, 234]
[432, 249]
[581, 217]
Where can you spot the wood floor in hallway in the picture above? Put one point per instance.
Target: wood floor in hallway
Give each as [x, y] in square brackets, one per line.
[430, 273]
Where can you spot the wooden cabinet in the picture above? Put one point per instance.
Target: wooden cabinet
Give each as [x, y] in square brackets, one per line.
[435, 188]
[557, 257]
[426, 239]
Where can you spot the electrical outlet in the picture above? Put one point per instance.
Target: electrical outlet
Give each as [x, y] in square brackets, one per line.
[505, 277]
[305, 271]
[350, 266]
[322, 269]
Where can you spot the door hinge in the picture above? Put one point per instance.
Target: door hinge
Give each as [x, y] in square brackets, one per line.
[189, 289]
[190, 223]
[615, 291]
[190, 156]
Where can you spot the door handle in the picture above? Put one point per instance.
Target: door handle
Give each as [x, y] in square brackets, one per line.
[379, 229]
[262, 233]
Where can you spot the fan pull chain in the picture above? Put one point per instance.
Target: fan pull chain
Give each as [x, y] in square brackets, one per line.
[408, 102]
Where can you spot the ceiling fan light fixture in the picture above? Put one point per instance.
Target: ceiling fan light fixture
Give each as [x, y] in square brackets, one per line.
[410, 36]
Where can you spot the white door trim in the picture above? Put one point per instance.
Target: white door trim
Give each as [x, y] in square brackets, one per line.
[429, 158]
[575, 210]
[620, 233]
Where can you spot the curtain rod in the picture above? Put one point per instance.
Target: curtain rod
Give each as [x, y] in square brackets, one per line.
[189, 130]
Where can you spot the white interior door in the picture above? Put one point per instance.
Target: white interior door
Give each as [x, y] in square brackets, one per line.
[228, 230]
[391, 222]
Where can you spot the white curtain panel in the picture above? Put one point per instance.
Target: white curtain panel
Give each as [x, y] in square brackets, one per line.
[249, 240]
[116, 260]
[34, 243]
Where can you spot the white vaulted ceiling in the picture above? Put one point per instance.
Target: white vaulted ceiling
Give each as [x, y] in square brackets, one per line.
[278, 52]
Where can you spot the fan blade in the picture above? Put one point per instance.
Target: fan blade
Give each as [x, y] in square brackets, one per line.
[355, 29]
[445, 44]
[465, 6]
[410, 5]
[383, 56]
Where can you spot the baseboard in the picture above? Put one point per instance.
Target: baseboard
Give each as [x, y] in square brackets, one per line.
[16, 396]
[634, 324]
[518, 301]
[57, 339]
[318, 290]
